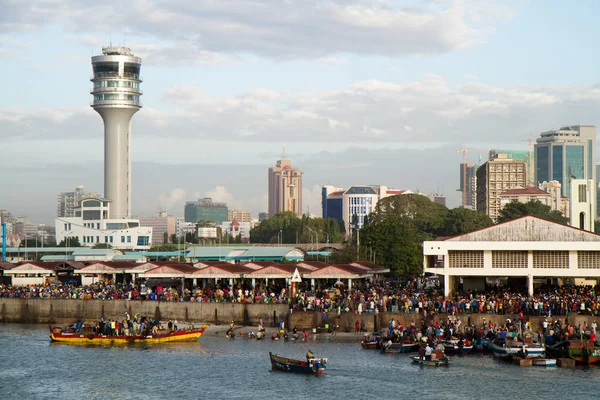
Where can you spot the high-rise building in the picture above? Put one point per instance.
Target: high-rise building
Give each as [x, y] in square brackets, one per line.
[262, 216]
[597, 189]
[117, 94]
[67, 201]
[239, 215]
[285, 187]
[565, 154]
[161, 224]
[107, 220]
[344, 204]
[519, 155]
[467, 172]
[495, 177]
[205, 210]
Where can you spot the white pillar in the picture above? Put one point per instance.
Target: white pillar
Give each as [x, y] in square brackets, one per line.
[530, 285]
[253, 282]
[447, 289]
[312, 282]
[267, 281]
[230, 282]
[349, 283]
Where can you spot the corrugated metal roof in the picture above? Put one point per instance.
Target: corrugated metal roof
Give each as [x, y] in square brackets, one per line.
[128, 257]
[86, 251]
[58, 257]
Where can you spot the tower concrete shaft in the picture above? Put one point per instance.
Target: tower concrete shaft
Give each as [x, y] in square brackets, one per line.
[117, 94]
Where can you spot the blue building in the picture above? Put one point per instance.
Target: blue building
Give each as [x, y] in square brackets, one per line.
[565, 154]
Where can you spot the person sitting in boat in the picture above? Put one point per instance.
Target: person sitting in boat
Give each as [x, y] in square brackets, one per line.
[421, 352]
[309, 355]
[275, 336]
[428, 351]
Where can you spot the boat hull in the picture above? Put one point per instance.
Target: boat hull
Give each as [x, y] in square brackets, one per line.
[400, 348]
[431, 363]
[544, 362]
[582, 353]
[315, 366]
[370, 345]
[190, 335]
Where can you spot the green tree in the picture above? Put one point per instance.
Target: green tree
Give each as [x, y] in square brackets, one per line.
[515, 209]
[166, 238]
[287, 227]
[71, 241]
[461, 220]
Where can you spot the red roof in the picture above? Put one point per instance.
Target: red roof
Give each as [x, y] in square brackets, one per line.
[395, 191]
[336, 193]
[527, 190]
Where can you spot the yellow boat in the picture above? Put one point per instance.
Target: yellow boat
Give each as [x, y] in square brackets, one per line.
[163, 336]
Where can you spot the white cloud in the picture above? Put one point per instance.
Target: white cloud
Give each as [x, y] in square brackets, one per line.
[175, 198]
[319, 29]
[220, 194]
[311, 200]
[427, 111]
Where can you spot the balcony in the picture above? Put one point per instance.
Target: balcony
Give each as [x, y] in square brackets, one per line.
[116, 103]
[118, 89]
[108, 75]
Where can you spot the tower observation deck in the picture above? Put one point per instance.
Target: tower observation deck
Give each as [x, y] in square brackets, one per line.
[116, 90]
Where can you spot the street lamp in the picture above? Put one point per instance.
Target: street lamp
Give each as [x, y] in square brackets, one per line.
[279, 241]
[356, 227]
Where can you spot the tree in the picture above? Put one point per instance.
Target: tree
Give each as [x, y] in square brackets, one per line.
[462, 220]
[515, 209]
[166, 238]
[70, 241]
[287, 227]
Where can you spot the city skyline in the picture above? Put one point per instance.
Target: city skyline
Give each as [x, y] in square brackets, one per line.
[379, 89]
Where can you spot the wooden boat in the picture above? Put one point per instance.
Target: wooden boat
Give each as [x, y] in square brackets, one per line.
[453, 346]
[373, 345]
[582, 351]
[544, 362]
[507, 349]
[314, 366]
[162, 336]
[438, 362]
[399, 348]
[482, 345]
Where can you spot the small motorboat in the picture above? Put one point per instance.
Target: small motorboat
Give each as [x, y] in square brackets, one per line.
[435, 362]
[371, 345]
[399, 348]
[454, 346]
[544, 362]
[314, 366]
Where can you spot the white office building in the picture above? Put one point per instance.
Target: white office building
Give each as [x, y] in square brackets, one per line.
[92, 225]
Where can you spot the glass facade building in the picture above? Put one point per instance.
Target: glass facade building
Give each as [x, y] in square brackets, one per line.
[565, 154]
[205, 210]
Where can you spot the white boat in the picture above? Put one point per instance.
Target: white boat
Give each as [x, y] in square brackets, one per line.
[506, 349]
[544, 362]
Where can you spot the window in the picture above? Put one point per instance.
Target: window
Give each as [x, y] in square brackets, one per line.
[582, 193]
[118, 225]
[98, 225]
[509, 259]
[91, 215]
[84, 239]
[97, 239]
[128, 239]
[122, 239]
[550, 259]
[111, 239]
[105, 239]
[465, 259]
[588, 259]
[143, 240]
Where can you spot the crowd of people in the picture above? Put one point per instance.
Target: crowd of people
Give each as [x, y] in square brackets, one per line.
[403, 296]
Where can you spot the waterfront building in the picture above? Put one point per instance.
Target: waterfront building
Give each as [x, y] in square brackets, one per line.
[92, 225]
[523, 249]
[495, 177]
[343, 204]
[67, 201]
[285, 187]
[239, 215]
[565, 154]
[205, 210]
[160, 224]
[116, 97]
[468, 173]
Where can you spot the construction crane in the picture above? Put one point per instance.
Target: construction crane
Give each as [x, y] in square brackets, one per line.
[530, 166]
[464, 152]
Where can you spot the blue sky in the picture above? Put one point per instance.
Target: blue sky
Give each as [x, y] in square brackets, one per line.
[359, 92]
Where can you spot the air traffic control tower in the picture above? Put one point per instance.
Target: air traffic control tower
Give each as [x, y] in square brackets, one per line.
[117, 94]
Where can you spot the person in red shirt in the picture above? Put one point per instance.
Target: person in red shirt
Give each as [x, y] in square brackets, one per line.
[593, 337]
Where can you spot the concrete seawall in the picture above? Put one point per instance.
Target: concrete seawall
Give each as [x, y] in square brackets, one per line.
[56, 311]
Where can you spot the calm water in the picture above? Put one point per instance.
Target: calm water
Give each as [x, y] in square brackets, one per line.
[214, 367]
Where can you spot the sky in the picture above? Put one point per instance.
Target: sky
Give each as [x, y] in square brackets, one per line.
[357, 91]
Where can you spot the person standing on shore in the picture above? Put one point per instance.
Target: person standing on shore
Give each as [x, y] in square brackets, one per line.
[356, 327]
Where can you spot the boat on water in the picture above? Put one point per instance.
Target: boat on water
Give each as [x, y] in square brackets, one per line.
[314, 366]
[482, 345]
[507, 349]
[437, 362]
[399, 348]
[161, 336]
[582, 351]
[455, 347]
[544, 362]
[371, 345]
